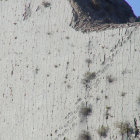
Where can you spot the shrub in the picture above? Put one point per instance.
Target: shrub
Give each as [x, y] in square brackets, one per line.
[125, 128]
[46, 4]
[85, 111]
[110, 79]
[88, 61]
[123, 94]
[102, 131]
[85, 136]
[88, 77]
[138, 100]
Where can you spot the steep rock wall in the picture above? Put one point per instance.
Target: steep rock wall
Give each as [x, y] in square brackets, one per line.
[61, 84]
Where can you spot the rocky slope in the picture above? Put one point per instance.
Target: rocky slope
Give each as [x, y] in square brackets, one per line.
[88, 14]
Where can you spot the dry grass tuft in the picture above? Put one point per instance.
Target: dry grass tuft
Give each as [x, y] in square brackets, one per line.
[110, 79]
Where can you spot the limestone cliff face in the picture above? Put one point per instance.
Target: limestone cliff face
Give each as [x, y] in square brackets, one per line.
[57, 83]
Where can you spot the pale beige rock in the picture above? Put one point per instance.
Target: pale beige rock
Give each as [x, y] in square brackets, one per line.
[43, 62]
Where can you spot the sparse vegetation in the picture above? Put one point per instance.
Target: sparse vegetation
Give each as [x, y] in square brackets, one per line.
[49, 33]
[108, 107]
[67, 37]
[138, 100]
[128, 131]
[102, 131]
[110, 79]
[97, 99]
[88, 77]
[85, 136]
[68, 86]
[107, 114]
[85, 111]
[125, 128]
[55, 66]
[106, 97]
[46, 4]
[137, 131]
[123, 94]
[65, 138]
[66, 76]
[36, 70]
[88, 61]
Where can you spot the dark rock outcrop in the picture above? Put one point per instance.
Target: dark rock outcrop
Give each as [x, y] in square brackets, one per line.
[88, 14]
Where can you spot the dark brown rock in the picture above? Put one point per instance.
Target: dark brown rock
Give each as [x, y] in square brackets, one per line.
[88, 14]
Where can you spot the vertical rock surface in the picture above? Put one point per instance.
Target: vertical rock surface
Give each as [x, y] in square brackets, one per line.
[61, 84]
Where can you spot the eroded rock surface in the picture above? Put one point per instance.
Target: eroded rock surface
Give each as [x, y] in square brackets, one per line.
[88, 14]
